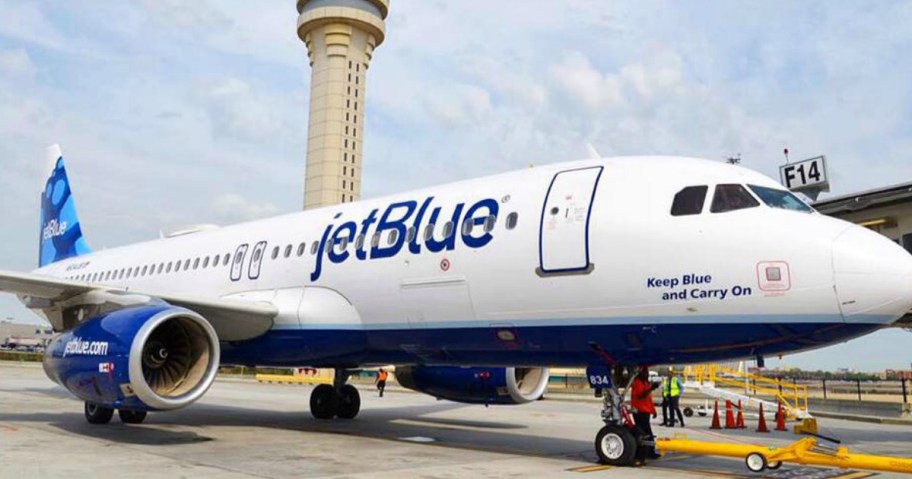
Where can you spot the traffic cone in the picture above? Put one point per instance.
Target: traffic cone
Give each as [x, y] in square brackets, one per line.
[715, 423]
[761, 425]
[729, 416]
[739, 421]
[780, 419]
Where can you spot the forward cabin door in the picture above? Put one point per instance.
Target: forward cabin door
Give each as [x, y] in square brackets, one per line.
[564, 230]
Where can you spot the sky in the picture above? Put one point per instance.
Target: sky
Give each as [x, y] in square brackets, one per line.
[173, 113]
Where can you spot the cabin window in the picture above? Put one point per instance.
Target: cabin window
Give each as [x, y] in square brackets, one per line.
[187, 264]
[447, 229]
[776, 198]
[359, 242]
[145, 269]
[467, 226]
[205, 262]
[489, 223]
[196, 263]
[301, 249]
[161, 267]
[168, 270]
[129, 273]
[731, 198]
[375, 240]
[227, 259]
[393, 236]
[215, 262]
[410, 234]
[512, 220]
[288, 251]
[257, 253]
[343, 243]
[275, 252]
[429, 231]
[689, 201]
[313, 248]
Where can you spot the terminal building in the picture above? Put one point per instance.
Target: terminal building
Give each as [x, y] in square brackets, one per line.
[887, 210]
[15, 335]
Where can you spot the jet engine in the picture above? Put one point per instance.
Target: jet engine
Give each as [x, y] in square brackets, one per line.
[151, 357]
[476, 385]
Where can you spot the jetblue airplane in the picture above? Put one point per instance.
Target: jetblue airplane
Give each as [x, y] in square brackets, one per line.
[472, 289]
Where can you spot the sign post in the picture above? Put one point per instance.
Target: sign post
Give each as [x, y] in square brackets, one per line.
[808, 176]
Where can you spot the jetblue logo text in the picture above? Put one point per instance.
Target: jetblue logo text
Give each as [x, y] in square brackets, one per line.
[394, 224]
[79, 347]
[53, 229]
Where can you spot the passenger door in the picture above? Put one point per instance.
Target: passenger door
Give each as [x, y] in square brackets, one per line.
[564, 228]
[237, 264]
[256, 260]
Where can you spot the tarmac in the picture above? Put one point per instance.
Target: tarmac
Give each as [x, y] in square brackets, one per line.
[245, 429]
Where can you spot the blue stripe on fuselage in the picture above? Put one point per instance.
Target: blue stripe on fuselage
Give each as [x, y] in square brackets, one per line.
[536, 345]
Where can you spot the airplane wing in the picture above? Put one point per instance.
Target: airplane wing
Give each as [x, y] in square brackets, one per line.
[233, 320]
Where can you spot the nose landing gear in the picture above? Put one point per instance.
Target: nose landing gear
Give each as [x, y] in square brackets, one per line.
[337, 400]
[619, 441]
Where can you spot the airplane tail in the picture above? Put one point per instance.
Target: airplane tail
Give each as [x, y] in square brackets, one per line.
[60, 236]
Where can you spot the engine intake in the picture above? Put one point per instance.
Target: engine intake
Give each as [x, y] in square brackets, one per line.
[156, 357]
[476, 385]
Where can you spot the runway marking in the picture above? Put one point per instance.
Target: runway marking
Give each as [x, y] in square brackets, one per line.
[599, 467]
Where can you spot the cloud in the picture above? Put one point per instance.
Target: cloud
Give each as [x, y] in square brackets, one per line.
[16, 64]
[234, 111]
[235, 208]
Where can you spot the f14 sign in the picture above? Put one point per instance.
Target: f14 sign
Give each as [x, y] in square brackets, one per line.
[805, 176]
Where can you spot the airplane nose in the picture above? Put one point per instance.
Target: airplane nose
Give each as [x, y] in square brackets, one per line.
[873, 277]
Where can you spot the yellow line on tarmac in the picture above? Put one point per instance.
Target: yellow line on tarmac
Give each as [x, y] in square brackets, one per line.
[590, 468]
[855, 475]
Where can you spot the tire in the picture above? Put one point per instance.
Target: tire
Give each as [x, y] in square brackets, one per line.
[688, 412]
[755, 462]
[131, 417]
[96, 414]
[323, 402]
[349, 402]
[774, 465]
[615, 446]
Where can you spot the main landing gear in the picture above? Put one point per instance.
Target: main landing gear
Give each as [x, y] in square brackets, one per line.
[619, 440]
[337, 400]
[96, 414]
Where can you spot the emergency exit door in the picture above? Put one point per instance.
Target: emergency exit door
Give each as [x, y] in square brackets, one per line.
[564, 232]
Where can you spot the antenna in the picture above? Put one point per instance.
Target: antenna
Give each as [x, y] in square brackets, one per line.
[734, 160]
[786, 153]
[593, 153]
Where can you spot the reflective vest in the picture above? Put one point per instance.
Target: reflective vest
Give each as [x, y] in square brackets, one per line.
[671, 387]
[381, 376]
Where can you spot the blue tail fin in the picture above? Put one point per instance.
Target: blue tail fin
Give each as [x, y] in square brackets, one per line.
[60, 236]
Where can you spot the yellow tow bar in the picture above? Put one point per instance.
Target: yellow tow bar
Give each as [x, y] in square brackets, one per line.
[804, 451]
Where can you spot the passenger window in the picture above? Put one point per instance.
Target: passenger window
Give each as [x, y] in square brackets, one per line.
[227, 259]
[467, 226]
[343, 243]
[393, 236]
[275, 252]
[489, 223]
[161, 267]
[375, 240]
[429, 231]
[410, 236]
[196, 263]
[288, 251]
[169, 267]
[257, 253]
[447, 229]
[359, 242]
[313, 249]
[301, 249]
[215, 262]
[512, 219]
[689, 201]
[731, 198]
[205, 262]
[145, 269]
[187, 264]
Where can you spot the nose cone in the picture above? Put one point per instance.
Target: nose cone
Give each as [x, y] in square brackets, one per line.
[873, 277]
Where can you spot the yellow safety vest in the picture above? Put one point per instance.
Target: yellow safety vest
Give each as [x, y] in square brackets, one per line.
[671, 387]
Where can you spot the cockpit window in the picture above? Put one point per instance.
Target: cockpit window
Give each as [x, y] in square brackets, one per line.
[731, 198]
[689, 201]
[780, 199]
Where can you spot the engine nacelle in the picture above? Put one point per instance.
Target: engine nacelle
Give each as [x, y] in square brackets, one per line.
[153, 357]
[476, 385]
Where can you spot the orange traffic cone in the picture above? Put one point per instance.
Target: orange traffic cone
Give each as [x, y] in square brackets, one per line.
[780, 419]
[715, 423]
[761, 425]
[729, 416]
[739, 421]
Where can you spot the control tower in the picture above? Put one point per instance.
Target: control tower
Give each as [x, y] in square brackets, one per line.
[341, 36]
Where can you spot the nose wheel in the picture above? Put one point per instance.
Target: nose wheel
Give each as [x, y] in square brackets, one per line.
[337, 400]
[618, 443]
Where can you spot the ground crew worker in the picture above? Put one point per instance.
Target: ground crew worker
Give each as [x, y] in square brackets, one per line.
[672, 389]
[666, 403]
[381, 380]
[641, 401]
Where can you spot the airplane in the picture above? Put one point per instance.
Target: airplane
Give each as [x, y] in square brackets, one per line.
[471, 289]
